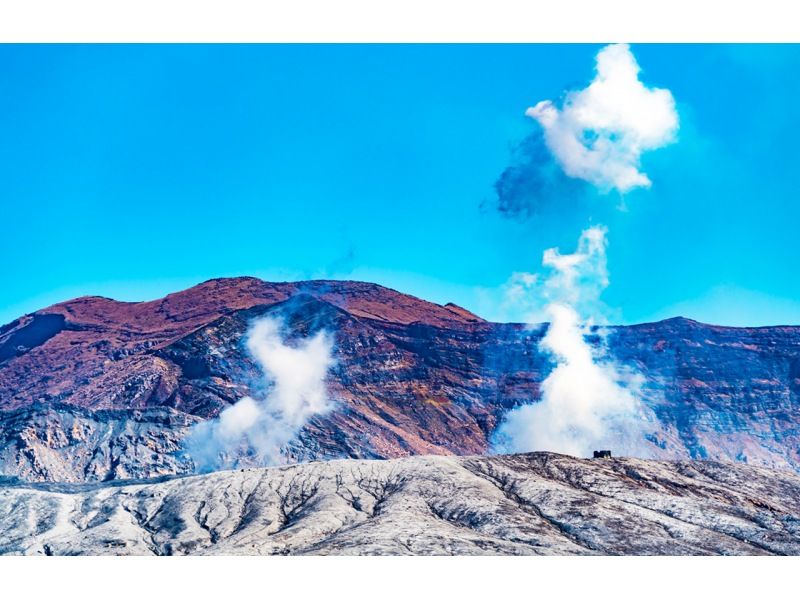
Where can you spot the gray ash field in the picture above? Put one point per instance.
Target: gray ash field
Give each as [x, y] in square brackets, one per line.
[527, 504]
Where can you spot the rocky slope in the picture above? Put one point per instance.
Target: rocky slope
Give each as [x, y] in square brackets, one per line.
[95, 389]
[538, 503]
[73, 444]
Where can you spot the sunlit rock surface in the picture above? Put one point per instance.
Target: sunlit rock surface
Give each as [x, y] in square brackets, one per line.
[537, 503]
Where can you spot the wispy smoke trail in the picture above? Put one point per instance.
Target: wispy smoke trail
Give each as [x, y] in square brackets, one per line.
[588, 401]
[261, 428]
[534, 183]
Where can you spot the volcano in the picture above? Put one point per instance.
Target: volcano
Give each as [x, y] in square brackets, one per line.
[94, 389]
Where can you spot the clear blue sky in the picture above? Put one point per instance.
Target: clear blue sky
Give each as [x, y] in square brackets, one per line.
[133, 171]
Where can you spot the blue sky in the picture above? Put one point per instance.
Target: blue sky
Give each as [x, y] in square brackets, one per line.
[133, 171]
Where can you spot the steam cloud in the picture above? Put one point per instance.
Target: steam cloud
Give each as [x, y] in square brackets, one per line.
[296, 375]
[588, 401]
[601, 131]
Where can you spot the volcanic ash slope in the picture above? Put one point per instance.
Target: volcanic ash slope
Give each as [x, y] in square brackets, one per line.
[537, 503]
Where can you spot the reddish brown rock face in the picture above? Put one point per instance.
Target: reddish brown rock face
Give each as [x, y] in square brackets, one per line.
[411, 377]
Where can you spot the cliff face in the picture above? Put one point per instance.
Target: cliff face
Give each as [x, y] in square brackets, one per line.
[411, 378]
[537, 503]
[727, 392]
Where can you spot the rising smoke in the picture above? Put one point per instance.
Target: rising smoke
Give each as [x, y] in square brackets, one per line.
[260, 428]
[588, 400]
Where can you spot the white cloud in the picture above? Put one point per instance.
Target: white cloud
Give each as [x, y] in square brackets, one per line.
[601, 131]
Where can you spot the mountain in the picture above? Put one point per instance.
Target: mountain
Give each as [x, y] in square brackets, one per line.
[94, 389]
[537, 503]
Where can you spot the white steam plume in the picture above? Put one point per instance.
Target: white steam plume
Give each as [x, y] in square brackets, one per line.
[588, 401]
[600, 132]
[296, 393]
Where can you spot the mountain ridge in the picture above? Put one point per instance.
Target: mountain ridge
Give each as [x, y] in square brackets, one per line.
[412, 378]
